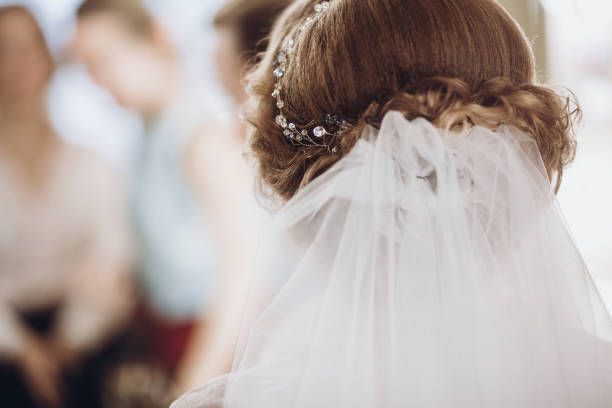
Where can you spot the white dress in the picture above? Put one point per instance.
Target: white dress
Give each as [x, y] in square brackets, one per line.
[430, 269]
[67, 244]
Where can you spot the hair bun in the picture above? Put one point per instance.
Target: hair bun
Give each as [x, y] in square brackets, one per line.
[361, 59]
[450, 102]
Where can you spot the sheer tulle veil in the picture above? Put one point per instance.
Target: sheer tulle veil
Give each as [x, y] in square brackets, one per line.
[427, 268]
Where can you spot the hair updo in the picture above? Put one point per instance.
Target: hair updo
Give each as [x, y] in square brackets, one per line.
[449, 61]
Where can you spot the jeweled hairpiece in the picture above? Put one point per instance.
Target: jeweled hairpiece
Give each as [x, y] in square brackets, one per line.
[291, 131]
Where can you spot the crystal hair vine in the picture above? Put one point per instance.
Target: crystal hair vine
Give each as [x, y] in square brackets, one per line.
[296, 135]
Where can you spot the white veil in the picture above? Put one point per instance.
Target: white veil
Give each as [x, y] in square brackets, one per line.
[427, 269]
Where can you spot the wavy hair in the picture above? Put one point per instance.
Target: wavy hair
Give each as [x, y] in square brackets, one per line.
[453, 62]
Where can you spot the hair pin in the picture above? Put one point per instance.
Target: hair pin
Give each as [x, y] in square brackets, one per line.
[291, 131]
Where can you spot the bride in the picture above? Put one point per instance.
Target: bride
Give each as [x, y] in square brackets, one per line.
[430, 266]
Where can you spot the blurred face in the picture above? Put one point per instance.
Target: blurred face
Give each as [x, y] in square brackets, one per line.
[124, 63]
[228, 63]
[25, 64]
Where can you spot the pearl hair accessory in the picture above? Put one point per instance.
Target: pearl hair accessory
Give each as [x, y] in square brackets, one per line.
[294, 134]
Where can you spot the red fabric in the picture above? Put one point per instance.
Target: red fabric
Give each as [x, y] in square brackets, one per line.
[165, 341]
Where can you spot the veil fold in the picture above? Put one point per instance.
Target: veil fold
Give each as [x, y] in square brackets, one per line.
[427, 268]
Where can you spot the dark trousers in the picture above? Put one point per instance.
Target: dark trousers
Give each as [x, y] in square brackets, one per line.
[151, 343]
[83, 388]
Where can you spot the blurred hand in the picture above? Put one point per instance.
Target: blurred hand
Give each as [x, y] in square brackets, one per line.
[66, 356]
[41, 372]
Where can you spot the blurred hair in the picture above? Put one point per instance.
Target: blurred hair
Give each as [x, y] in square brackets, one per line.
[33, 161]
[252, 21]
[454, 62]
[27, 14]
[132, 13]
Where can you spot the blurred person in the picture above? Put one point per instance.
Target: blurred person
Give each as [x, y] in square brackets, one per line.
[189, 190]
[242, 28]
[64, 251]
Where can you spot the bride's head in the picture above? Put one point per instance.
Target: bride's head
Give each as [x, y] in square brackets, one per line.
[454, 62]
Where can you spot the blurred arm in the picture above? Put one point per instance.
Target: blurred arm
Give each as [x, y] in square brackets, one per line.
[99, 304]
[220, 175]
[99, 299]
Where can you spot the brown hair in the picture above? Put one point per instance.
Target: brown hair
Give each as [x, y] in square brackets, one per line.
[34, 160]
[450, 61]
[132, 13]
[252, 21]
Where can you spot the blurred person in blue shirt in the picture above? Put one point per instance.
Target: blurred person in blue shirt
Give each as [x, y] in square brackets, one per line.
[64, 246]
[190, 188]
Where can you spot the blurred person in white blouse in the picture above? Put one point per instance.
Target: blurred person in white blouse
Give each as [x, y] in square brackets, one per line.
[64, 251]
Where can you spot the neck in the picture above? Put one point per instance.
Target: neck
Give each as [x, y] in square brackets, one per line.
[26, 139]
[22, 112]
[163, 94]
[24, 123]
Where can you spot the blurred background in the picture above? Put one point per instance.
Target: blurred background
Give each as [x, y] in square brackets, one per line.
[108, 138]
